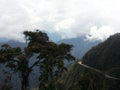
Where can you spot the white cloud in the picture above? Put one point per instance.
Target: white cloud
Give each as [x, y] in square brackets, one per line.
[64, 24]
[101, 33]
[69, 18]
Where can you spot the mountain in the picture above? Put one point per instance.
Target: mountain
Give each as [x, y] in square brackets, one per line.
[54, 37]
[78, 50]
[83, 77]
[14, 43]
[3, 40]
[80, 45]
[35, 74]
[106, 55]
[99, 69]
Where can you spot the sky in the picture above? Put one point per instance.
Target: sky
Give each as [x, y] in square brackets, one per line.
[97, 19]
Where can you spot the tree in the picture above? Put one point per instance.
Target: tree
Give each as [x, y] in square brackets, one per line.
[17, 60]
[49, 57]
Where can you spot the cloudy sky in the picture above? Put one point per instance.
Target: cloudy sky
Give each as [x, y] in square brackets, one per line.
[70, 18]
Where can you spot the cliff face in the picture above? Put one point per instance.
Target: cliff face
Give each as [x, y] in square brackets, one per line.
[100, 68]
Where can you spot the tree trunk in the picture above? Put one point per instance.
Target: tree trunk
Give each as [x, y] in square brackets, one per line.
[25, 81]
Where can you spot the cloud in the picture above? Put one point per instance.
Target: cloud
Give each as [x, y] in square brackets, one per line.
[69, 18]
[101, 33]
[64, 24]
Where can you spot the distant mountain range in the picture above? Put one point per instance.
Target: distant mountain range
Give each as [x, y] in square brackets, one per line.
[3, 40]
[80, 45]
[54, 37]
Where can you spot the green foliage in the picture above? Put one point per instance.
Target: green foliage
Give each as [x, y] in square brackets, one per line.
[8, 53]
[23, 63]
[49, 56]
[36, 37]
[80, 77]
[106, 55]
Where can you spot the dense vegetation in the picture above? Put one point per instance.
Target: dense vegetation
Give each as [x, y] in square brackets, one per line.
[105, 56]
[79, 77]
[100, 68]
[49, 58]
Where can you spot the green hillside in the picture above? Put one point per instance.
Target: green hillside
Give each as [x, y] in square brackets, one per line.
[99, 70]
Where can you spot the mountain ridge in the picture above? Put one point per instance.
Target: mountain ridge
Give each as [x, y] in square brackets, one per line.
[107, 52]
[96, 71]
[80, 45]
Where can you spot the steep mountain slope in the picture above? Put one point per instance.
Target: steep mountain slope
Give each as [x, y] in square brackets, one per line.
[80, 45]
[105, 56]
[80, 77]
[99, 69]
